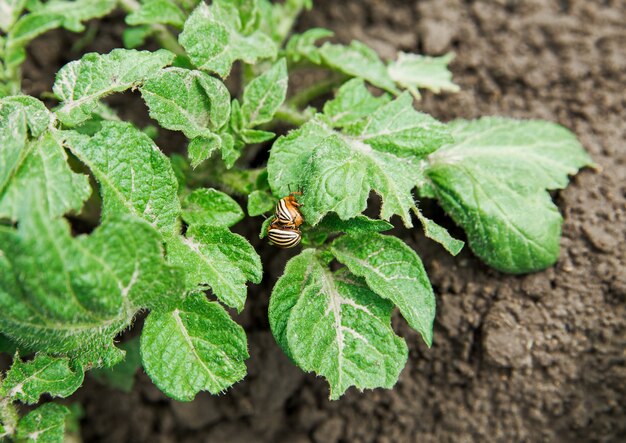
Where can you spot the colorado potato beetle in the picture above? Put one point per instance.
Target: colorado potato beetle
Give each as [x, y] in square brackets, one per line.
[284, 236]
[288, 211]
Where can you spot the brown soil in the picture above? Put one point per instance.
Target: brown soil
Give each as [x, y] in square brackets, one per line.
[532, 358]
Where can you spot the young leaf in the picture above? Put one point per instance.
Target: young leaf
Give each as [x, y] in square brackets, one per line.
[201, 148]
[38, 117]
[44, 424]
[393, 271]
[358, 60]
[27, 381]
[92, 287]
[189, 101]
[332, 223]
[492, 180]
[302, 46]
[331, 323]
[81, 83]
[214, 39]
[10, 10]
[352, 103]
[215, 257]
[165, 12]
[50, 15]
[122, 375]
[412, 71]
[260, 202]
[263, 96]
[211, 207]
[134, 175]
[41, 169]
[439, 234]
[193, 348]
[338, 171]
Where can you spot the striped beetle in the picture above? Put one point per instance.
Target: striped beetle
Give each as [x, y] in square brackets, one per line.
[288, 211]
[283, 236]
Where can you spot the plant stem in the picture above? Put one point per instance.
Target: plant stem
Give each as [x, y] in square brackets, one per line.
[305, 96]
[160, 32]
[293, 116]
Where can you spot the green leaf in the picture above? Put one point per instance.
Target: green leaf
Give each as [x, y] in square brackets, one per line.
[302, 46]
[277, 19]
[193, 348]
[41, 168]
[50, 15]
[38, 117]
[265, 226]
[263, 96]
[122, 375]
[81, 83]
[260, 202]
[135, 177]
[358, 60]
[251, 136]
[45, 424]
[394, 272]
[338, 171]
[211, 207]
[10, 10]
[248, 14]
[201, 148]
[360, 223]
[213, 38]
[189, 101]
[352, 103]
[92, 288]
[136, 36]
[439, 234]
[332, 324]
[27, 381]
[412, 71]
[215, 257]
[492, 181]
[150, 12]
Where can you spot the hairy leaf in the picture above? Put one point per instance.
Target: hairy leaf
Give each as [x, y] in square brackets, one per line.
[201, 148]
[302, 46]
[492, 180]
[393, 271]
[260, 202]
[338, 171]
[412, 71]
[439, 234]
[166, 12]
[122, 375]
[50, 15]
[214, 39]
[27, 381]
[81, 83]
[43, 171]
[215, 257]
[38, 117]
[45, 424]
[211, 207]
[193, 348]
[189, 101]
[360, 223]
[332, 324]
[358, 60]
[263, 95]
[352, 103]
[134, 176]
[92, 287]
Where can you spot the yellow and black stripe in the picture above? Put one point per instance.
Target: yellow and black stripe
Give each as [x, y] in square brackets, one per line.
[283, 215]
[284, 237]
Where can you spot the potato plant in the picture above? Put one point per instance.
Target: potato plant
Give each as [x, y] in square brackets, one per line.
[161, 245]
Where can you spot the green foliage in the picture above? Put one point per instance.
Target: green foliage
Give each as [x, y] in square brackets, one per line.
[194, 347]
[44, 424]
[159, 238]
[493, 179]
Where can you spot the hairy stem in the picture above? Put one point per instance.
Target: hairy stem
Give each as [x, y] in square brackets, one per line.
[306, 95]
